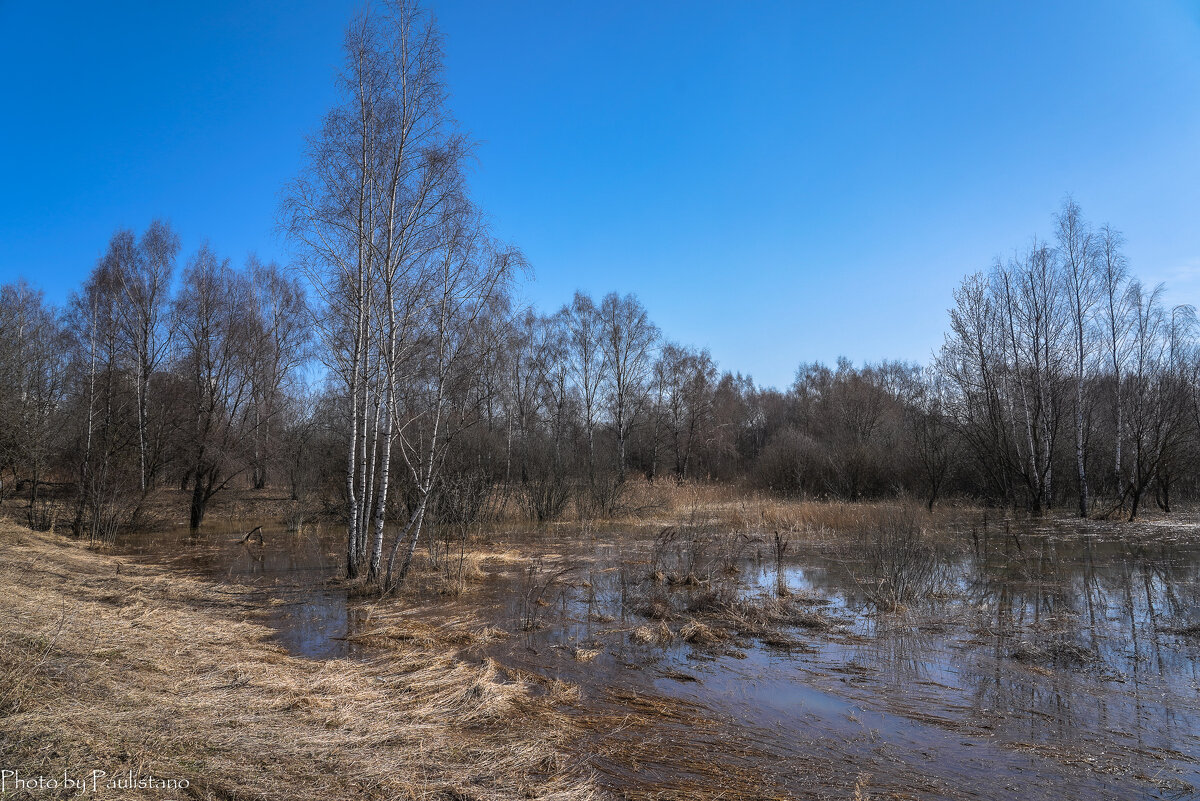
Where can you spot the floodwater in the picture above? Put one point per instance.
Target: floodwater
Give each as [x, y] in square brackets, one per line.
[1034, 659]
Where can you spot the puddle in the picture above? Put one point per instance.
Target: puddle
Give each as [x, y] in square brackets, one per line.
[1043, 659]
[291, 569]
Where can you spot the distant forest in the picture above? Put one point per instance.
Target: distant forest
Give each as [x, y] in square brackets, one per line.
[389, 375]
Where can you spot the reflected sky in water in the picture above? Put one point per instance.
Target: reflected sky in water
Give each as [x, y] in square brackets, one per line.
[1045, 658]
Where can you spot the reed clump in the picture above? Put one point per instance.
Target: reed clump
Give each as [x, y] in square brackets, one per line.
[763, 616]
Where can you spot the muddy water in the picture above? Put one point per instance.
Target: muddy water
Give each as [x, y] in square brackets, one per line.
[1041, 661]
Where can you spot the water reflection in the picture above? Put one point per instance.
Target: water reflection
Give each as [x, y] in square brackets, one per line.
[291, 568]
[1021, 649]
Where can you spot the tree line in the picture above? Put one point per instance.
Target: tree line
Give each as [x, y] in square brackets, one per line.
[142, 381]
[1066, 377]
[393, 376]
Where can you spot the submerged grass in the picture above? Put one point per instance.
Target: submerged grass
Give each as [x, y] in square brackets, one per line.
[118, 667]
[653, 747]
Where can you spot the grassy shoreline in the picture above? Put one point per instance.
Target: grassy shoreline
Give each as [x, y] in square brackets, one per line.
[122, 667]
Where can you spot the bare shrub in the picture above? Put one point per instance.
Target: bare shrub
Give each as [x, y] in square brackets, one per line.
[455, 567]
[604, 496]
[780, 544]
[791, 464]
[295, 518]
[901, 562]
[536, 582]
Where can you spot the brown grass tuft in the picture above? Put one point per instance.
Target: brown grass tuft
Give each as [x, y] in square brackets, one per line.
[700, 634]
[158, 673]
[660, 634]
[585, 654]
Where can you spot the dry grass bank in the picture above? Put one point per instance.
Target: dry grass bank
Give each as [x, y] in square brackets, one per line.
[113, 667]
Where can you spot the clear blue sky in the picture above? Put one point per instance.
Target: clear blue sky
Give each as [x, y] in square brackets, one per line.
[779, 182]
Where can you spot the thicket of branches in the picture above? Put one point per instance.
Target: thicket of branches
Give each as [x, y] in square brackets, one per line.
[392, 377]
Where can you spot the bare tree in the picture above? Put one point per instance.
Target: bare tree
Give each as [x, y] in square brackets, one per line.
[32, 384]
[101, 353]
[933, 435]
[144, 276]
[627, 341]
[1077, 249]
[687, 378]
[469, 271]
[537, 396]
[1030, 304]
[972, 362]
[1115, 322]
[1155, 394]
[217, 359]
[586, 365]
[278, 325]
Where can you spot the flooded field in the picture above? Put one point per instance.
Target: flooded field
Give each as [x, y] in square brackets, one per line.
[992, 658]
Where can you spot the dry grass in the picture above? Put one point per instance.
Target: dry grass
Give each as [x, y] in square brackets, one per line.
[730, 506]
[403, 632]
[757, 617]
[581, 654]
[734, 508]
[118, 668]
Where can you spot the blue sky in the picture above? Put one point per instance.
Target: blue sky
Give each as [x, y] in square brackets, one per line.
[780, 182]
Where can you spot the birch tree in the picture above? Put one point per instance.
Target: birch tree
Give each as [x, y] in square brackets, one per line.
[279, 327]
[144, 277]
[1115, 323]
[1077, 249]
[367, 210]
[99, 357]
[1029, 300]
